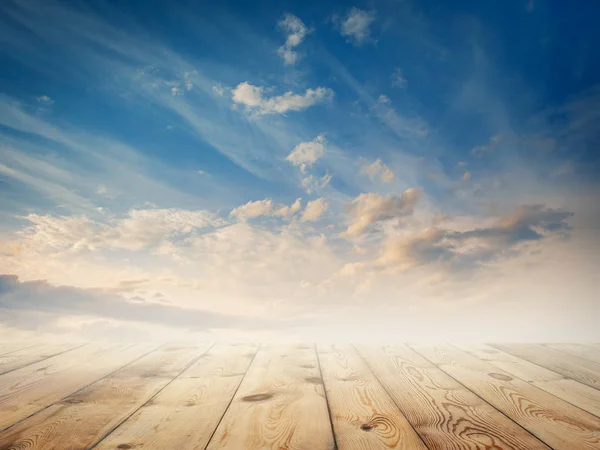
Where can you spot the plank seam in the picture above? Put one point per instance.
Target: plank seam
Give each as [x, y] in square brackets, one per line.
[483, 399]
[232, 397]
[81, 388]
[335, 445]
[531, 384]
[389, 395]
[43, 359]
[548, 346]
[151, 398]
[19, 349]
[545, 367]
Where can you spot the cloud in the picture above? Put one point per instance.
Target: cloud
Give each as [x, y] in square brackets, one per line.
[466, 175]
[314, 210]
[355, 26]
[482, 150]
[296, 32]
[44, 99]
[368, 209]
[140, 228]
[287, 211]
[305, 154]
[313, 184]
[379, 170]
[252, 97]
[384, 99]
[265, 207]
[218, 90]
[398, 79]
[464, 249]
[35, 297]
[253, 209]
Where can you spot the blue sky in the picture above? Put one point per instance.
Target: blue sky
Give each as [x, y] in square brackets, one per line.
[290, 160]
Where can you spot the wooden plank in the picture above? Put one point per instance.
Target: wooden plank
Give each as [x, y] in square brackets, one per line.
[25, 391]
[572, 391]
[559, 424]
[21, 358]
[86, 416]
[581, 350]
[186, 413]
[9, 347]
[445, 414]
[363, 414]
[279, 405]
[579, 369]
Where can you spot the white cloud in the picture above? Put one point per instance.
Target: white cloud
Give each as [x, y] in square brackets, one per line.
[398, 79]
[467, 175]
[384, 99]
[379, 170]
[176, 90]
[355, 26]
[44, 99]
[288, 211]
[296, 31]
[368, 209]
[252, 97]
[265, 207]
[305, 154]
[139, 229]
[253, 209]
[312, 184]
[314, 210]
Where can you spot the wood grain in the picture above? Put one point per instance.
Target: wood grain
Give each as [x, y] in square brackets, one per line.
[364, 416]
[551, 419]
[27, 390]
[574, 367]
[279, 405]
[572, 391]
[446, 415]
[21, 358]
[186, 413]
[80, 420]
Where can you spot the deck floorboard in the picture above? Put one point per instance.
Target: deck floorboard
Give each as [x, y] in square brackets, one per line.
[299, 396]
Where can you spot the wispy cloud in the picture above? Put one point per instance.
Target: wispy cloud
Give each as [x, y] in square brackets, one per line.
[355, 25]
[378, 170]
[296, 32]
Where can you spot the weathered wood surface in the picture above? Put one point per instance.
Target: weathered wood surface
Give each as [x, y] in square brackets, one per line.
[574, 367]
[186, 413]
[102, 405]
[280, 404]
[363, 415]
[445, 413]
[583, 351]
[572, 391]
[28, 390]
[551, 419]
[29, 355]
[301, 396]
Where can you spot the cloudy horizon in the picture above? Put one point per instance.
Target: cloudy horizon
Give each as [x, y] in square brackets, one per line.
[376, 171]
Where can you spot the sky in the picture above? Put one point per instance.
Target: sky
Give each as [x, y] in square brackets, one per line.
[396, 170]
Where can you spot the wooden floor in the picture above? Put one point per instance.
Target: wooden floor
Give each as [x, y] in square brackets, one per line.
[313, 397]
